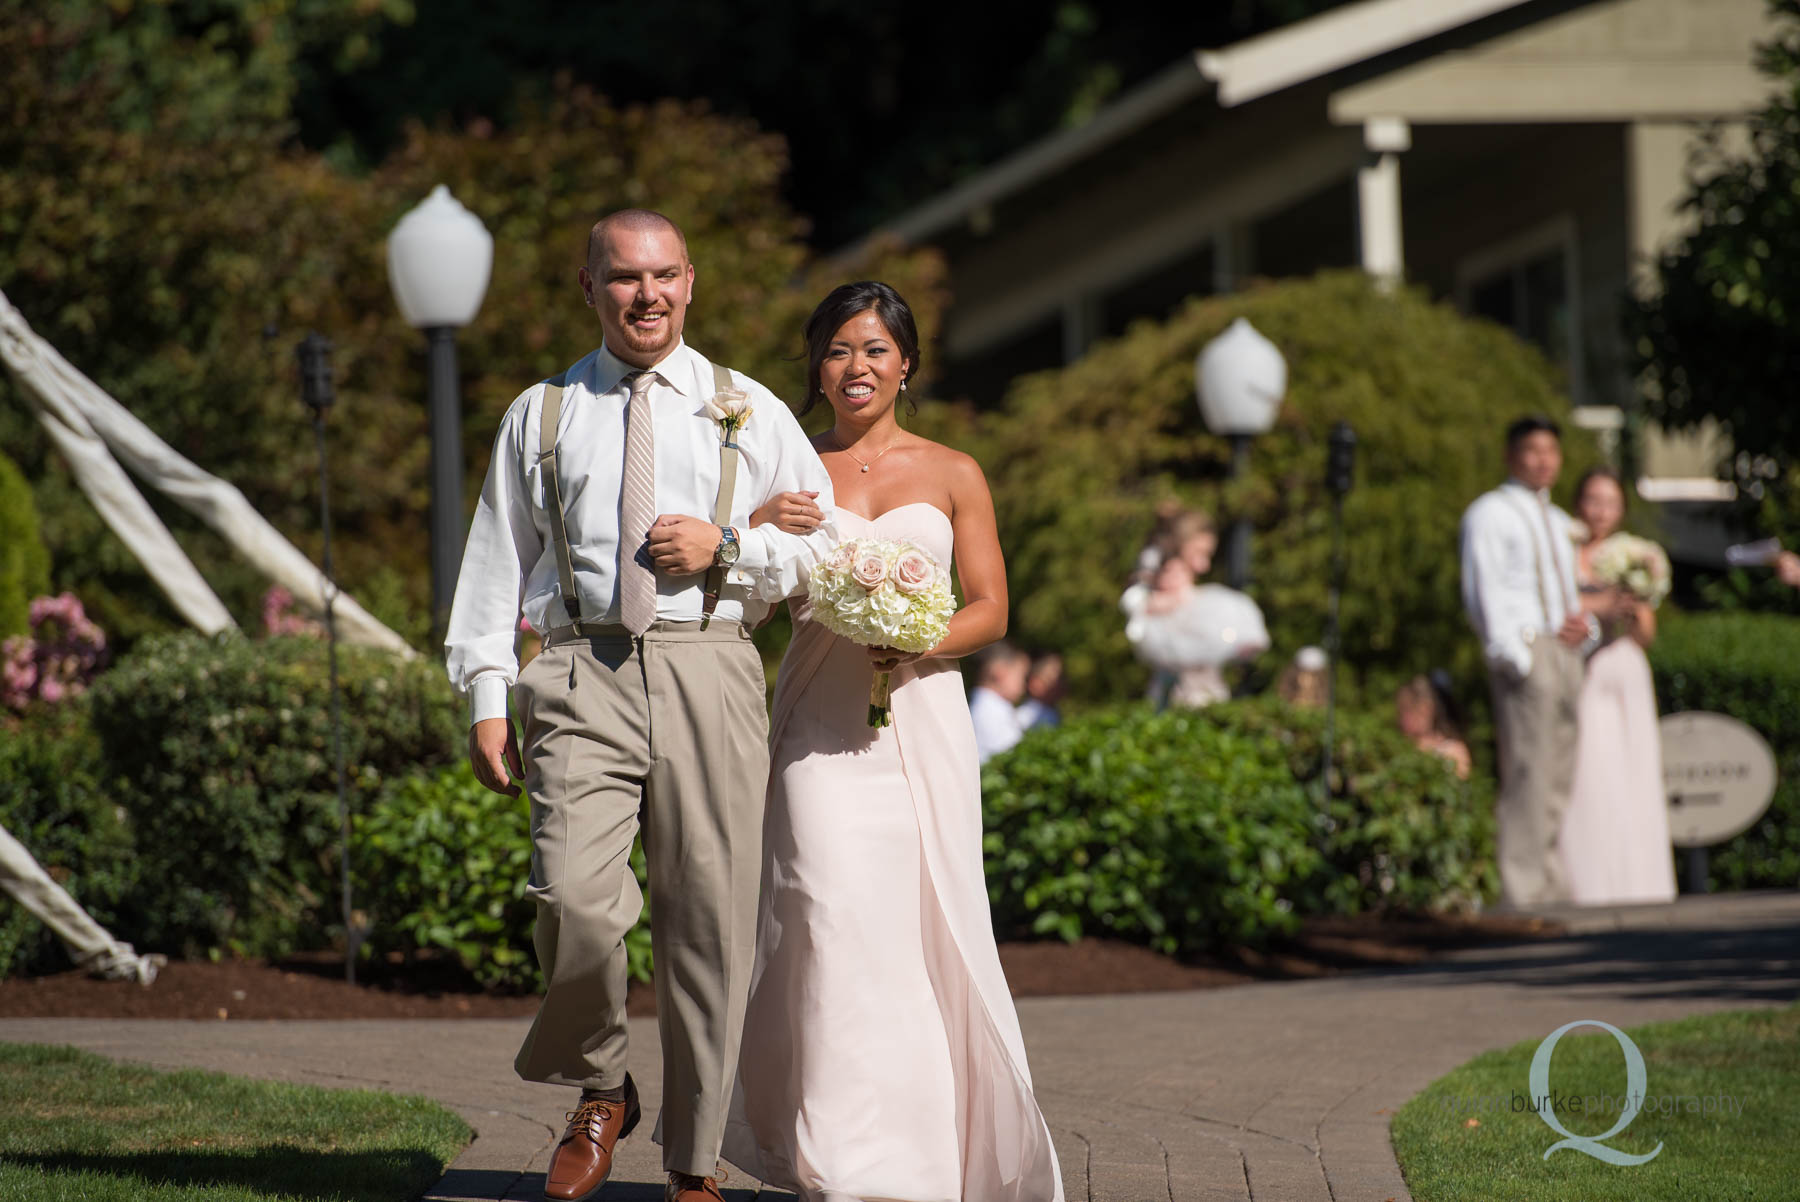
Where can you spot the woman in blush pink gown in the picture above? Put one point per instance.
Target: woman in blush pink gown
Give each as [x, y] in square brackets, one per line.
[1615, 833]
[882, 1058]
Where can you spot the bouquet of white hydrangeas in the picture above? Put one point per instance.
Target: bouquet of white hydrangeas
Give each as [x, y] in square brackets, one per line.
[1636, 565]
[878, 593]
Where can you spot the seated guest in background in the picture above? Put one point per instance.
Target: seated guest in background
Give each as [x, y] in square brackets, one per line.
[1427, 715]
[1303, 682]
[1000, 672]
[1044, 690]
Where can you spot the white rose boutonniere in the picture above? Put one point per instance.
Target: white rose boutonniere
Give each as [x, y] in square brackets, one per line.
[730, 407]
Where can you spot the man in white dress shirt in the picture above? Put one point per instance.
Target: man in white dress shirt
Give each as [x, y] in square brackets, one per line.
[647, 703]
[1000, 672]
[1519, 587]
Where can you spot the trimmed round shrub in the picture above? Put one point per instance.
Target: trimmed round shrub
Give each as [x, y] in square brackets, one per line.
[53, 802]
[221, 753]
[24, 563]
[1746, 665]
[1402, 830]
[1079, 456]
[1156, 828]
[1191, 830]
[446, 864]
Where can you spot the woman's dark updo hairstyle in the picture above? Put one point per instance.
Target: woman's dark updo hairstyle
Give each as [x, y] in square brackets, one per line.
[1598, 473]
[845, 302]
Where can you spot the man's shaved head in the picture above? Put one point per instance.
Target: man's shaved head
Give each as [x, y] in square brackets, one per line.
[636, 221]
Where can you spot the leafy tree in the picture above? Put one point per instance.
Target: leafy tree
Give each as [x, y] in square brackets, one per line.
[24, 564]
[1720, 339]
[178, 271]
[883, 104]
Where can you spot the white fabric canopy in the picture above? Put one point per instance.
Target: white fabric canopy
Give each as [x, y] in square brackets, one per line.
[89, 428]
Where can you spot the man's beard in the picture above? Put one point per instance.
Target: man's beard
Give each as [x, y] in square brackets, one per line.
[656, 339]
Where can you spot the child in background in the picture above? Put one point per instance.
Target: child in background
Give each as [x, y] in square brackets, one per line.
[1426, 715]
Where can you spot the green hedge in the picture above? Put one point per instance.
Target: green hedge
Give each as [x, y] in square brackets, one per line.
[24, 564]
[1193, 830]
[53, 802]
[445, 864]
[1746, 665]
[220, 751]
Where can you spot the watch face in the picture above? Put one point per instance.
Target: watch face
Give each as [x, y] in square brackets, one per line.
[728, 551]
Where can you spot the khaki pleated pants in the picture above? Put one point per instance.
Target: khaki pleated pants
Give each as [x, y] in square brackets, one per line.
[670, 731]
[1535, 730]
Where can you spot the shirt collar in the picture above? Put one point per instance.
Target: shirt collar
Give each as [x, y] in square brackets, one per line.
[1542, 494]
[676, 368]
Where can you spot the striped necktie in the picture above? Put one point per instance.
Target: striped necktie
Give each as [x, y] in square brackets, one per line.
[637, 508]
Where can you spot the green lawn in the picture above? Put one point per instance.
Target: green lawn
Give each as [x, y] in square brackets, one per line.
[1740, 1146]
[77, 1128]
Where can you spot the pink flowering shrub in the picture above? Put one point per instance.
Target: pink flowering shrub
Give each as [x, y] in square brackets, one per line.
[279, 617]
[57, 660]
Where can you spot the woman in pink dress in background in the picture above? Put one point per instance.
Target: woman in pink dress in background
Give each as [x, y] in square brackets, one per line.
[1615, 833]
[882, 1058]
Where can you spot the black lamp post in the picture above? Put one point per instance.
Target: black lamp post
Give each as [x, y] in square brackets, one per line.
[439, 257]
[316, 390]
[1340, 476]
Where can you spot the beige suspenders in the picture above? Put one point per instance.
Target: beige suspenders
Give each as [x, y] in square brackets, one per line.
[553, 498]
[728, 469]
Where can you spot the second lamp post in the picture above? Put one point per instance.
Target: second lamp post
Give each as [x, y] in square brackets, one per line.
[1239, 378]
[439, 258]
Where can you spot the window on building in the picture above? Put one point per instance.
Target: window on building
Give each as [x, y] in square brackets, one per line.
[1528, 285]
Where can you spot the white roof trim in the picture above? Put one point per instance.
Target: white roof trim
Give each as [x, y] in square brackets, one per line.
[1313, 47]
[1162, 93]
[1334, 39]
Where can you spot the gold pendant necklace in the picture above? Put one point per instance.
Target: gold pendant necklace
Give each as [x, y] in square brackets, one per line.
[871, 463]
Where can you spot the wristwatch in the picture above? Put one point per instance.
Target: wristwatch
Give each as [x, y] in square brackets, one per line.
[727, 554]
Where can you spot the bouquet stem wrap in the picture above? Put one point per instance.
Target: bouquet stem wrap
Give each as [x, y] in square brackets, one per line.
[879, 715]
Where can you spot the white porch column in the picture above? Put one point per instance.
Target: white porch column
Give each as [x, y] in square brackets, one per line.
[1378, 198]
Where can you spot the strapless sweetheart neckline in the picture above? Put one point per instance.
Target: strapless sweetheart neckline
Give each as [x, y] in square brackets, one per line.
[896, 509]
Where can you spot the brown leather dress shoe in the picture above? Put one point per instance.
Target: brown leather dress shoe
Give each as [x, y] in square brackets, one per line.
[583, 1160]
[685, 1187]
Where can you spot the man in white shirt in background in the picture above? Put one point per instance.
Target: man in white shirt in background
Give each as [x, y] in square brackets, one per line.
[1000, 671]
[647, 702]
[1519, 587]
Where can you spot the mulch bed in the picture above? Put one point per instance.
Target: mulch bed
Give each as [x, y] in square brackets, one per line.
[313, 987]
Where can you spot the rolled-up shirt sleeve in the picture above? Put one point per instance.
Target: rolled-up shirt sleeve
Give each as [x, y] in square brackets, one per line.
[1499, 584]
[504, 544]
[773, 564]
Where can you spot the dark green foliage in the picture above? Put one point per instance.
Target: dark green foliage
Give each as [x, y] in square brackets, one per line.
[52, 801]
[1719, 339]
[24, 564]
[1079, 457]
[1161, 829]
[445, 864]
[1748, 666]
[220, 752]
[1404, 831]
[1194, 830]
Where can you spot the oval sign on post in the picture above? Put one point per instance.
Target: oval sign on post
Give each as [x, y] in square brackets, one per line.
[1718, 774]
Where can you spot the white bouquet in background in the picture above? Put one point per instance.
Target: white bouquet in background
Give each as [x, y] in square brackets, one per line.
[1636, 565]
[878, 593]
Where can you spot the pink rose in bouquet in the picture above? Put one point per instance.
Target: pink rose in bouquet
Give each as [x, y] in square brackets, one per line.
[869, 569]
[914, 572]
